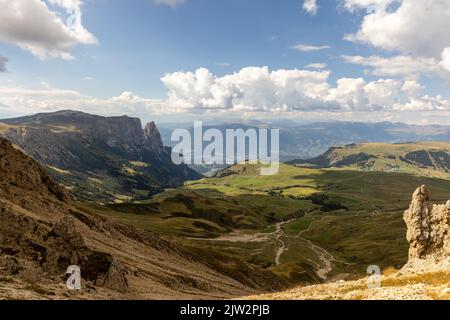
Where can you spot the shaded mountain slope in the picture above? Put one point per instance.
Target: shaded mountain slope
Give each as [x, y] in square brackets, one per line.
[420, 158]
[42, 233]
[98, 158]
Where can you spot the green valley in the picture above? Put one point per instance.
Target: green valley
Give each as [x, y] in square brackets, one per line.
[306, 225]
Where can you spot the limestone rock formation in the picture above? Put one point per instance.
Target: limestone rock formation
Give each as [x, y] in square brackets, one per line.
[426, 276]
[428, 227]
[152, 137]
[101, 159]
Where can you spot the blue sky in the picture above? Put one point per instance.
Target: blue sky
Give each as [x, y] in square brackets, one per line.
[113, 58]
[140, 41]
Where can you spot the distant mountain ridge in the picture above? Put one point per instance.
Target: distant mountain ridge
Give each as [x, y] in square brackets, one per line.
[98, 158]
[420, 158]
[309, 140]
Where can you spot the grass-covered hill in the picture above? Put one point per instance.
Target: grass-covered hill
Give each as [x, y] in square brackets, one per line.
[306, 225]
[431, 159]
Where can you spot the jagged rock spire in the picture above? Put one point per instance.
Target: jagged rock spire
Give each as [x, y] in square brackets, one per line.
[152, 137]
[428, 227]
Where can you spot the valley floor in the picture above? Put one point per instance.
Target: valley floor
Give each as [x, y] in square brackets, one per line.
[303, 226]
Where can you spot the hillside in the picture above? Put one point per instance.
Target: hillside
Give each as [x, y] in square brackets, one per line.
[430, 159]
[426, 276]
[403, 285]
[43, 232]
[306, 225]
[235, 235]
[102, 159]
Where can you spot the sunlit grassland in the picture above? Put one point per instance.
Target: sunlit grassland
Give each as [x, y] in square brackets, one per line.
[369, 231]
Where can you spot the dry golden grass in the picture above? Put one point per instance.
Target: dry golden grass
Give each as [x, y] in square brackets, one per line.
[432, 279]
[433, 285]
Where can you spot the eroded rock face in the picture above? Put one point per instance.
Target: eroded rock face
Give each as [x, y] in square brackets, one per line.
[152, 138]
[43, 232]
[21, 178]
[81, 151]
[428, 227]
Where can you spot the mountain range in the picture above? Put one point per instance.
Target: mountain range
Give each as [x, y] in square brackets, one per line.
[308, 140]
[102, 193]
[44, 231]
[100, 159]
[428, 159]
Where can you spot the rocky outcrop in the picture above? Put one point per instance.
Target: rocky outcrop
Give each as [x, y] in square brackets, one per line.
[22, 178]
[38, 234]
[43, 232]
[123, 134]
[428, 227]
[152, 137]
[426, 276]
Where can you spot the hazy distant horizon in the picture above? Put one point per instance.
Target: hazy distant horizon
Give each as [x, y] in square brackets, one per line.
[185, 120]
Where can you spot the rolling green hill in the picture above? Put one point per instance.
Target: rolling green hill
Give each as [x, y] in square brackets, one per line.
[430, 159]
[305, 224]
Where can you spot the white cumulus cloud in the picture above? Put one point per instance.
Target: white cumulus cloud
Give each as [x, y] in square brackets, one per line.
[46, 98]
[349, 93]
[311, 6]
[412, 89]
[36, 26]
[445, 63]
[397, 66]
[309, 48]
[413, 27]
[257, 89]
[417, 31]
[252, 91]
[316, 66]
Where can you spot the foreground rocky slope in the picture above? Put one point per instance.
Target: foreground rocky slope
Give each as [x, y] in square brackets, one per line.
[42, 233]
[425, 276]
[103, 159]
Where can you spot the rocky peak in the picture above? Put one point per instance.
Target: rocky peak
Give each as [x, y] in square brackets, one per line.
[152, 137]
[76, 146]
[123, 133]
[428, 227]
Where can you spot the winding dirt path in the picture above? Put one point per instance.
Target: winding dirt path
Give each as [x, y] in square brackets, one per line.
[278, 234]
[325, 260]
[324, 256]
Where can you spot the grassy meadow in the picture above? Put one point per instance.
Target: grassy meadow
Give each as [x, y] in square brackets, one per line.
[328, 223]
